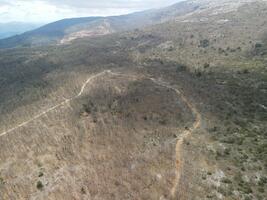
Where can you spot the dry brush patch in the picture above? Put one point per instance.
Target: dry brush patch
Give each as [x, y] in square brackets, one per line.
[117, 141]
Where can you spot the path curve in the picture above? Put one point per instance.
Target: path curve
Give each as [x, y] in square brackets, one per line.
[185, 134]
[23, 124]
[179, 145]
[179, 163]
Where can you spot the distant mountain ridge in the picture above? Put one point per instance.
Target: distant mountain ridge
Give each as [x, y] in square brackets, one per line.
[15, 28]
[66, 30]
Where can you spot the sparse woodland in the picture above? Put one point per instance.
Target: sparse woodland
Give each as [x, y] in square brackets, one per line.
[117, 140]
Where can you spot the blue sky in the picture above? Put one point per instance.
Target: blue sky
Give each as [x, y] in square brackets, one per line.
[51, 10]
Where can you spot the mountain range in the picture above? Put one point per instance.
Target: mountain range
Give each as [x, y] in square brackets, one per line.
[66, 30]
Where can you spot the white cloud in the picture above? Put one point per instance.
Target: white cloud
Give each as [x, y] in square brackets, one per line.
[32, 11]
[51, 10]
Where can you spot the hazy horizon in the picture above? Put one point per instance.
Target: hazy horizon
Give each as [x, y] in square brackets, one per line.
[36, 11]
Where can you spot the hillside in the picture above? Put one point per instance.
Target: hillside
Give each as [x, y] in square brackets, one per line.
[175, 110]
[66, 30]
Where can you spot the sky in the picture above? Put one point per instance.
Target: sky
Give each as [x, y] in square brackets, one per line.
[43, 11]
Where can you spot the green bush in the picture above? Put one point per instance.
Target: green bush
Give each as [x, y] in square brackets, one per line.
[39, 185]
[261, 190]
[226, 180]
[258, 45]
[206, 65]
[1, 181]
[204, 43]
[41, 174]
[181, 68]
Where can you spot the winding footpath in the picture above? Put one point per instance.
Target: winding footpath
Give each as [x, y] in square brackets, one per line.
[179, 163]
[185, 134]
[179, 145]
[23, 124]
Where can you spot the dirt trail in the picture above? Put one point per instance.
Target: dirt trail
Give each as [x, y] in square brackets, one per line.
[23, 124]
[185, 134]
[179, 145]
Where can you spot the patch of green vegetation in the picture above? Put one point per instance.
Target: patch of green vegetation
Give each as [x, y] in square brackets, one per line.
[204, 43]
[40, 174]
[263, 181]
[39, 185]
[2, 182]
[226, 180]
[83, 191]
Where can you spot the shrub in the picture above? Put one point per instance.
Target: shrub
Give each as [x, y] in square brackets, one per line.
[245, 188]
[41, 174]
[39, 185]
[247, 198]
[227, 151]
[206, 65]
[198, 73]
[258, 45]
[220, 50]
[83, 190]
[263, 181]
[87, 108]
[226, 180]
[204, 43]
[163, 122]
[1, 181]
[261, 190]
[245, 71]
[181, 68]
